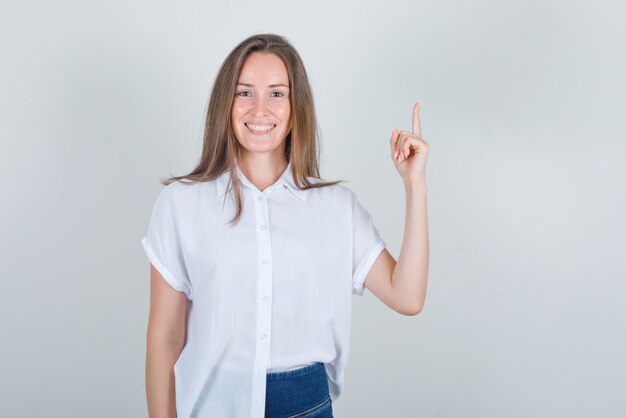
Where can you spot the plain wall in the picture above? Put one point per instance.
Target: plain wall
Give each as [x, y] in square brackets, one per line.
[522, 104]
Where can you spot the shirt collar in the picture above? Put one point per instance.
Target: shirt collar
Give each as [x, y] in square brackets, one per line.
[285, 180]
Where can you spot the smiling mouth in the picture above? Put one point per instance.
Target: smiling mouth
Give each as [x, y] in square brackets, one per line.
[259, 129]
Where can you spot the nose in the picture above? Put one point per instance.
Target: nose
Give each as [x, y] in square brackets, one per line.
[259, 107]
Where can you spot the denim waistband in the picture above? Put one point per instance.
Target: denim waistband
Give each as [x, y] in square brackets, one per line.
[287, 374]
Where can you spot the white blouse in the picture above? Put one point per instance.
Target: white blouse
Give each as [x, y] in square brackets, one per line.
[271, 293]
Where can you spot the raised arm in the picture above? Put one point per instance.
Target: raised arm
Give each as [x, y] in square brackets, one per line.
[402, 284]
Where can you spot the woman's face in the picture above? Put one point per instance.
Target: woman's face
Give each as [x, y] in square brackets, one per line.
[261, 114]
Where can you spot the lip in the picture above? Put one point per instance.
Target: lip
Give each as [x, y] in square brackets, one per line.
[273, 125]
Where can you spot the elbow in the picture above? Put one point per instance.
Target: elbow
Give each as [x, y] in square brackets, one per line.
[415, 310]
[410, 307]
[412, 310]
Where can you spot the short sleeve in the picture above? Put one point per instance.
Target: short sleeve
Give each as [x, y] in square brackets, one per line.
[162, 243]
[367, 245]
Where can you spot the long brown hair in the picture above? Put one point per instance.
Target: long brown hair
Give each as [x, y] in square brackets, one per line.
[220, 147]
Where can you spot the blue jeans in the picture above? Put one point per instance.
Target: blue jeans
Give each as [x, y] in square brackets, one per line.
[300, 393]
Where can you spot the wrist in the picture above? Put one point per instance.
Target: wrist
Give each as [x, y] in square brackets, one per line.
[418, 184]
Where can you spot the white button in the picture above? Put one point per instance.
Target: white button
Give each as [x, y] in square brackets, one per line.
[263, 336]
[263, 227]
[265, 261]
[259, 198]
[265, 298]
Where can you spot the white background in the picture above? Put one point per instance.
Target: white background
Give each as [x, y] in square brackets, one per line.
[522, 104]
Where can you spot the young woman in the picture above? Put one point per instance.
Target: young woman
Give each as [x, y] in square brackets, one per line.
[254, 257]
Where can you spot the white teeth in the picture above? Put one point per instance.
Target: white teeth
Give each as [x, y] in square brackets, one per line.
[260, 128]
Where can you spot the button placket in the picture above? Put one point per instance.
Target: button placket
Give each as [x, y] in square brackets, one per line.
[264, 308]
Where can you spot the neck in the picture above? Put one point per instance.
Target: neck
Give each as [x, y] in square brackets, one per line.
[262, 170]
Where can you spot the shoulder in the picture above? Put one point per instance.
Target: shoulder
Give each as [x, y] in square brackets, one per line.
[172, 191]
[180, 192]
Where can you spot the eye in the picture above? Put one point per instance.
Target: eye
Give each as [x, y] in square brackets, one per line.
[243, 93]
[280, 93]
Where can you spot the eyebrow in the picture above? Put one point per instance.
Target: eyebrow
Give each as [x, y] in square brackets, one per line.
[270, 86]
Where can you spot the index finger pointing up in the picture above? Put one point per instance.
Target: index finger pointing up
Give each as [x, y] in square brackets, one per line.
[417, 128]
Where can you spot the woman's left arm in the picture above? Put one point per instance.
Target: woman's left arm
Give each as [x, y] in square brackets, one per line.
[402, 284]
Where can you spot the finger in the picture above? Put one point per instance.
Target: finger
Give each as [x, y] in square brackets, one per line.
[393, 142]
[411, 142]
[406, 147]
[399, 144]
[395, 134]
[403, 148]
[417, 128]
[402, 136]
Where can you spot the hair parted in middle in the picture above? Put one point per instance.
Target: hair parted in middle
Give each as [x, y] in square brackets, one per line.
[220, 148]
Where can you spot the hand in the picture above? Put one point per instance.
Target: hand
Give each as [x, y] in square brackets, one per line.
[410, 151]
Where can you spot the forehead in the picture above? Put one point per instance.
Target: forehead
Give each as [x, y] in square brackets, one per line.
[263, 68]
